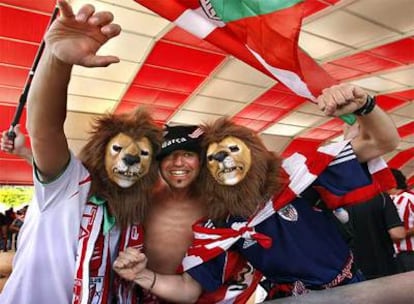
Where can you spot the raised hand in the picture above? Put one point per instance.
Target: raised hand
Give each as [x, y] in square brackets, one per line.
[341, 99]
[76, 38]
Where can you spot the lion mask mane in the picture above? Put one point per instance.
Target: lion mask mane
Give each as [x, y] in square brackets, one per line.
[128, 205]
[259, 185]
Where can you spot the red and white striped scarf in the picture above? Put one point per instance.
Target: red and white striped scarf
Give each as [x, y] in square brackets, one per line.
[302, 170]
[93, 283]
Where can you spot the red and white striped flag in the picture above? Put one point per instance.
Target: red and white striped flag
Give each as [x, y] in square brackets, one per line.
[264, 34]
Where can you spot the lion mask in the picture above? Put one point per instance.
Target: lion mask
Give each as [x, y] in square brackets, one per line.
[239, 174]
[120, 156]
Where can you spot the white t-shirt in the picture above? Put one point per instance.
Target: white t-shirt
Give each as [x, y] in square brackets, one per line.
[44, 264]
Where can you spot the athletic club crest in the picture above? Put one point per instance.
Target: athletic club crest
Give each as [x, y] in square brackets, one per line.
[288, 213]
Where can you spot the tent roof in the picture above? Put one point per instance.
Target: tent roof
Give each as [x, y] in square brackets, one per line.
[185, 80]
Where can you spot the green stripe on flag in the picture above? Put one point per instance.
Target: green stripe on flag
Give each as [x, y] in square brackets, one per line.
[231, 10]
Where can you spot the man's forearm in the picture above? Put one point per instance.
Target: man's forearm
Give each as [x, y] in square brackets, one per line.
[46, 113]
[176, 288]
[378, 135]
[47, 96]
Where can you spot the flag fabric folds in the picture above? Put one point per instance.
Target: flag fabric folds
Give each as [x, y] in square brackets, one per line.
[262, 33]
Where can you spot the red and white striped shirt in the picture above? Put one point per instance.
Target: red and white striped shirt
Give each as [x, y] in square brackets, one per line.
[405, 205]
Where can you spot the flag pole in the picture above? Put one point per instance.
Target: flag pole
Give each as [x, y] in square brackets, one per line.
[23, 97]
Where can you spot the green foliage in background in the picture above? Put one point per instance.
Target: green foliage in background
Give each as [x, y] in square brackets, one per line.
[15, 196]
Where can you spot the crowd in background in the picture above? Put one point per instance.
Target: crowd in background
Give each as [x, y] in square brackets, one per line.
[10, 223]
[380, 231]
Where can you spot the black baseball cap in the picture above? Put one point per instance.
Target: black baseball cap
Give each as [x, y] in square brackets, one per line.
[187, 138]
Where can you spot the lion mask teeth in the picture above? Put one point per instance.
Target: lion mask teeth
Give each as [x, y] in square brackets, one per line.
[125, 173]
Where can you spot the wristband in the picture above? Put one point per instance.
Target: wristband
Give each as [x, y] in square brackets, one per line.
[367, 107]
[153, 281]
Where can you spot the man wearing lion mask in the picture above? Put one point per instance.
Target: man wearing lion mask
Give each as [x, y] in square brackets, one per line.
[264, 208]
[84, 209]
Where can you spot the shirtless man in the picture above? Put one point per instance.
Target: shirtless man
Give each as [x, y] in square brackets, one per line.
[176, 203]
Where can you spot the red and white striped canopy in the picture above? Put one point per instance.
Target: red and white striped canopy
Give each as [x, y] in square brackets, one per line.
[187, 81]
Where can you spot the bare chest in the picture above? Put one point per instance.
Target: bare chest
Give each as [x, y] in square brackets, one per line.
[168, 234]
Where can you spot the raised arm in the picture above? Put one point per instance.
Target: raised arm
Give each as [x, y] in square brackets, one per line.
[131, 265]
[71, 39]
[16, 146]
[377, 135]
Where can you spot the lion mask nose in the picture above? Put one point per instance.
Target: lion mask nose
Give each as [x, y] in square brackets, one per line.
[220, 156]
[131, 159]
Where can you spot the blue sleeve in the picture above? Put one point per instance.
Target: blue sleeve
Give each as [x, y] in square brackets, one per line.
[210, 274]
[344, 174]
